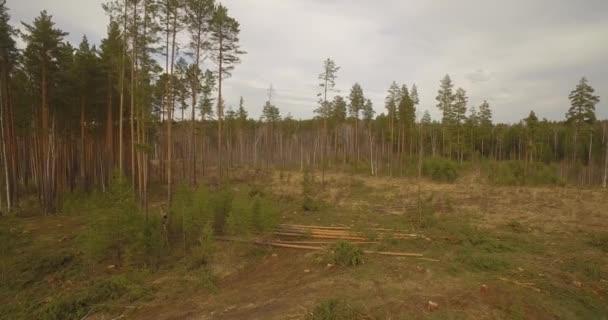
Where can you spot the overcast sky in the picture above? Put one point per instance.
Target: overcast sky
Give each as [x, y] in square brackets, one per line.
[520, 55]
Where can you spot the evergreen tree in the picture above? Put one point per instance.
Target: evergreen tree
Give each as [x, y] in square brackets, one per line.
[270, 113]
[357, 101]
[582, 101]
[338, 109]
[43, 57]
[206, 103]
[426, 118]
[368, 111]
[407, 108]
[241, 113]
[327, 84]
[414, 95]
[485, 114]
[445, 99]
[8, 60]
[225, 52]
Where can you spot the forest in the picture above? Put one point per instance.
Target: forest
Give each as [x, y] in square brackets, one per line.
[128, 145]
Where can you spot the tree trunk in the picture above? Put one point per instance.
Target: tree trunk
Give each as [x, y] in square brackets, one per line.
[122, 93]
[605, 180]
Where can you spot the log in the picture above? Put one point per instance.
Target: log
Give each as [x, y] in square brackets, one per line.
[319, 236]
[325, 242]
[304, 247]
[395, 254]
[313, 227]
[292, 246]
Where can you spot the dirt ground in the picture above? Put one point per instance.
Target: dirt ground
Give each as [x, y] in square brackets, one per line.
[539, 282]
[495, 253]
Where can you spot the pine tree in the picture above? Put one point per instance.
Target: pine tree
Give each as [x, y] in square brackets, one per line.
[582, 111]
[42, 58]
[485, 122]
[225, 51]
[328, 82]
[426, 118]
[338, 109]
[198, 14]
[414, 95]
[110, 53]
[582, 101]
[445, 99]
[206, 104]
[241, 112]
[356, 105]
[8, 60]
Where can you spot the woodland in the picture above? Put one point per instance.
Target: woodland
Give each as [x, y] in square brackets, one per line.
[128, 145]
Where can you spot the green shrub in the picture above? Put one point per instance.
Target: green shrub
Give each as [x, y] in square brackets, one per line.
[118, 232]
[480, 261]
[264, 215]
[77, 305]
[203, 252]
[239, 218]
[221, 204]
[519, 173]
[333, 309]
[309, 192]
[346, 254]
[251, 214]
[441, 170]
[599, 240]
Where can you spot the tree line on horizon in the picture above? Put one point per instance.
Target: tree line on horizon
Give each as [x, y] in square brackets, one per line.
[147, 103]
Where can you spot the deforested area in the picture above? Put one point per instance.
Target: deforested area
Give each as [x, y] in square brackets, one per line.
[198, 159]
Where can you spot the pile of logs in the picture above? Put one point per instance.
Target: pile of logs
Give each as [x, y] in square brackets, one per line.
[329, 235]
[341, 233]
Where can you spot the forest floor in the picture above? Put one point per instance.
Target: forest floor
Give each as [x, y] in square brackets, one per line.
[502, 253]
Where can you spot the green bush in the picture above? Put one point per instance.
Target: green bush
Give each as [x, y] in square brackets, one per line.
[480, 261]
[309, 192]
[77, 305]
[118, 232]
[344, 253]
[518, 173]
[251, 214]
[599, 240]
[203, 252]
[221, 204]
[333, 309]
[441, 170]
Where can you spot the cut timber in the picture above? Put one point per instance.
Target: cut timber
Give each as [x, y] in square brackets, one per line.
[395, 254]
[313, 227]
[325, 242]
[292, 246]
[319, 236]
[304, 247]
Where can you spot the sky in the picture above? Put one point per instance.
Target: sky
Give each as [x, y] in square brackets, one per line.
[519, 55]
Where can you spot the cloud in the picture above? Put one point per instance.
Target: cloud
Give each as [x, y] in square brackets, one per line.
[518, 55]
[479, 75]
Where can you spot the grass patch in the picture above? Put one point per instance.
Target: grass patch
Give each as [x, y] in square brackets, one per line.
[93, 298]
[599, 241]
[344, 253]
[334, 309]
[440, 170]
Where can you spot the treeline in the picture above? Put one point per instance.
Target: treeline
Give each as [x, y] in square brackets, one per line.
[148, 102]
